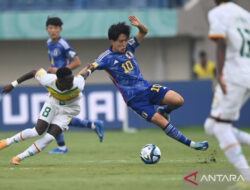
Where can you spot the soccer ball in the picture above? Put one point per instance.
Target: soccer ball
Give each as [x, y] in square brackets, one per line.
[150, 154]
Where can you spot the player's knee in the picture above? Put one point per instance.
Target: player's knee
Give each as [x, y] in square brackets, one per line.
[41, 126]
[224, 134]
[39, 130]
[54, 130]
[180, 101]
[209, 126]
[173, 98]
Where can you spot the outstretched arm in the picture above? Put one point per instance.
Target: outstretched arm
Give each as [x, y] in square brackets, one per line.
[220, 56]
[10, 87]
[86, 71]
[143, 30]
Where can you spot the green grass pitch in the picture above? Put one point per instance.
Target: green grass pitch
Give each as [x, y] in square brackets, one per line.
[112, 165]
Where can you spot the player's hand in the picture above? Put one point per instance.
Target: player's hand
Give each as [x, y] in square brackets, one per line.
[52, 70]
[90, 66]
[223, 84]
[134, 20]
[6, 89]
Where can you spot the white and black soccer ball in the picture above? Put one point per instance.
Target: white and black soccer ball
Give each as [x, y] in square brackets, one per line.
[150, 154]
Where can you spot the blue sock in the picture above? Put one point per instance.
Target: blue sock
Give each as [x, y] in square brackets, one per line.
[169, 108]
[60, 140]
[76, 122]
[171, 131]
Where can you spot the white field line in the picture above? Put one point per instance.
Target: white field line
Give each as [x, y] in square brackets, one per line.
[138, 161]
[54, 168]
[107, 162]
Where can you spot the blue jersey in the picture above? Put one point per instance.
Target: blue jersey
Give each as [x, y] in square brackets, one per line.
[60, 53]
[123, 70]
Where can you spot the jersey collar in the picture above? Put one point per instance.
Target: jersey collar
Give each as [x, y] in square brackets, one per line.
[57, 40]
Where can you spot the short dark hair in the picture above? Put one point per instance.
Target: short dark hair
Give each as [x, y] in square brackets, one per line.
[63, 72]
[221, 1]
[55, 21]
[116, 29]
[202, 53]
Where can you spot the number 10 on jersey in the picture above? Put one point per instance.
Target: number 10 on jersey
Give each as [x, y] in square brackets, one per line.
[128, 66]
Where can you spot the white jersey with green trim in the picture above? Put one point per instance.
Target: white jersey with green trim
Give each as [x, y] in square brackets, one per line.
[71, 96]
[232, 22]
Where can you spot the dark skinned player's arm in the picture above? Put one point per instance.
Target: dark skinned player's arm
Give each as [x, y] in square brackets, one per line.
[220, 58]
[27, 76]
[86, 71]
[220, 55]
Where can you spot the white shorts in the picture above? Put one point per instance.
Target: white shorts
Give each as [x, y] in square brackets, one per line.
[60, 115]
[228, 106]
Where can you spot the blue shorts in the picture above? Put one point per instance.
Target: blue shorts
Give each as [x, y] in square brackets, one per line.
[143, 103]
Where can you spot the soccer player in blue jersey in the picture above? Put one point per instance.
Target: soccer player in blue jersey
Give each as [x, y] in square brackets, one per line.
[61, 55]
[120, 63]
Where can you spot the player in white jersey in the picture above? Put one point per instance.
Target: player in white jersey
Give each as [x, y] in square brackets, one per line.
[230, 30]
[62, 104]
[61, 54]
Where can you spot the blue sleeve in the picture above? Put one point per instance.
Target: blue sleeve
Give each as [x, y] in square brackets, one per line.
[68, 51]
[101, 64]
[70, 54]
[133, 44]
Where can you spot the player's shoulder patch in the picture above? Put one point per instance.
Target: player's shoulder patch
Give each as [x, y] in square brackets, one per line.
[72, 53]
[40, 73]
[131, 41]
[104, 54]
[64, 43]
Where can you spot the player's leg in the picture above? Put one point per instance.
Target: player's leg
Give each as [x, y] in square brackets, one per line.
[76, 122]
[45, 117]
[225, 110]
[58, 124]
[63, 121]
[38, 145]
[232, 148]
[97, 126]
[171, 101]
[210, 121]
[39, 129]
[242, 136]
[62, 148]
[144, 106]
[209, 126]
[230, 106]
[173, 132]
